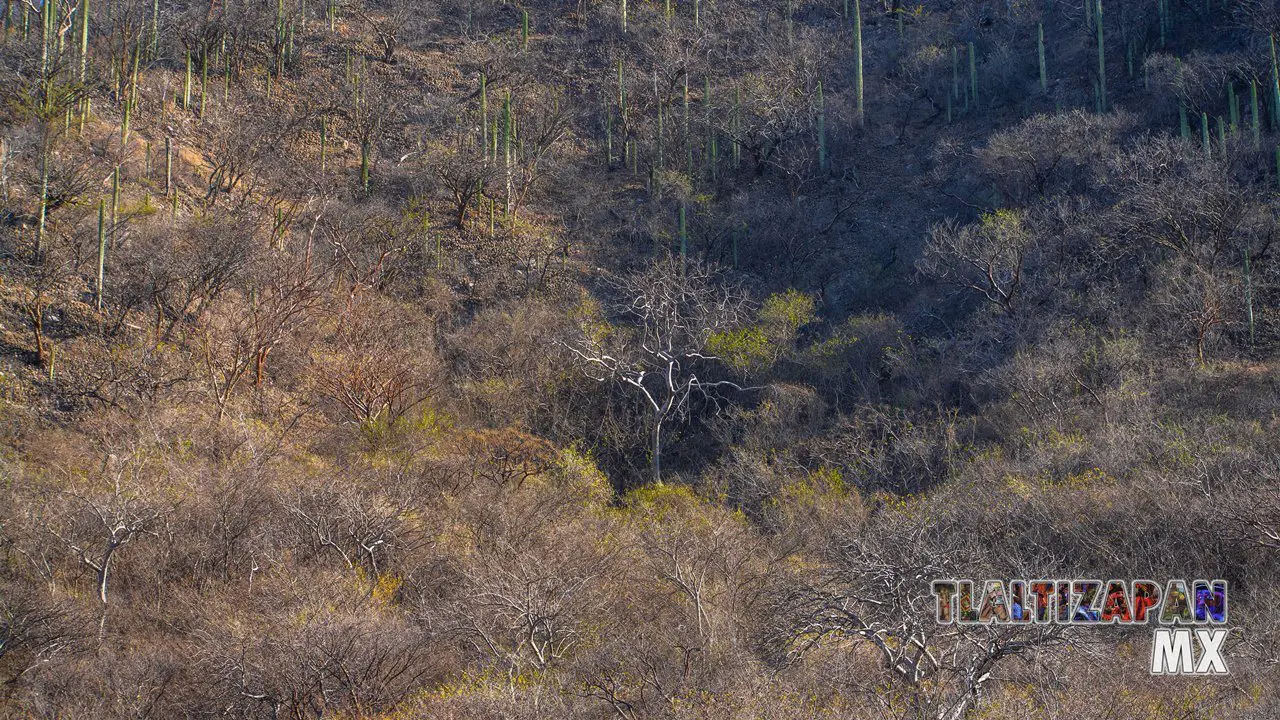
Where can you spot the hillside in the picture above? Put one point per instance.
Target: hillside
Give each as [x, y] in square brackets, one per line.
[392, 359]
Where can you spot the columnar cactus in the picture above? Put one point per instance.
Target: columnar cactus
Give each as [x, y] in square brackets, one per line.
[506, 144]
[84, 39]
[955, 74]
[101, 250]
[124, 122]
[736, 122]
[1044, 76]
[1256, 119]
[622, 94]
[973, 75]
[1233, 107]
[115, 196]
[484, 114]
[857, 62]
[657, 142]
[1102, 57]
[608, 140]
[688, 140]
[684, 235]
[710, 152]
[1162, 14]
[204, 80]
[1275, 86]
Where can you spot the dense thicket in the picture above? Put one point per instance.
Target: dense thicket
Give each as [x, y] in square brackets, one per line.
[394, 359]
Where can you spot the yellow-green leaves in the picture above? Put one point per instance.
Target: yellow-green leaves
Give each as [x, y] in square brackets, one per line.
[757, 347]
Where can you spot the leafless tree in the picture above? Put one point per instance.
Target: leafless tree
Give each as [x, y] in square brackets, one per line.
[463, 175]
[988, 257]
[671, 312]
[388, 24]
[876, 591]
[98, 524]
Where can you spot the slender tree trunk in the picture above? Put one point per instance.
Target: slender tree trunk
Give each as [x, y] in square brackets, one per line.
[43, 209]
[656, 463]
[37, 322]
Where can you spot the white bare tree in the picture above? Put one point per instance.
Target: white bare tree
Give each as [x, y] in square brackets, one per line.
[95, 525]
[669, 312]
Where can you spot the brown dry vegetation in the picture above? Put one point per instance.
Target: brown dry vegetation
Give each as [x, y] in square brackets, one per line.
[641, 383]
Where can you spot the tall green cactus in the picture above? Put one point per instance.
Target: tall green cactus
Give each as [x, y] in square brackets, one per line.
[735, 121]
[608, 139]
[155, 29]
[484, 114]
[857, 62]
[658, 138]
[101, 250]
[688, 139]
[364, 164]
[124, 122]
[186, 85]
[226, 74]
[204, 79]
[1102, 57]
[955, 74]
[1233, 107]
[1204, 133]
[1256, 119]
[684, 235]
[973, 74]
[1044, 75]
[282, 38]
[133, 76]
[1275, 86]
[506, 145]
[84, 39]
[1162, 14]
[115, 196]
[168, 165]
[710, 155]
